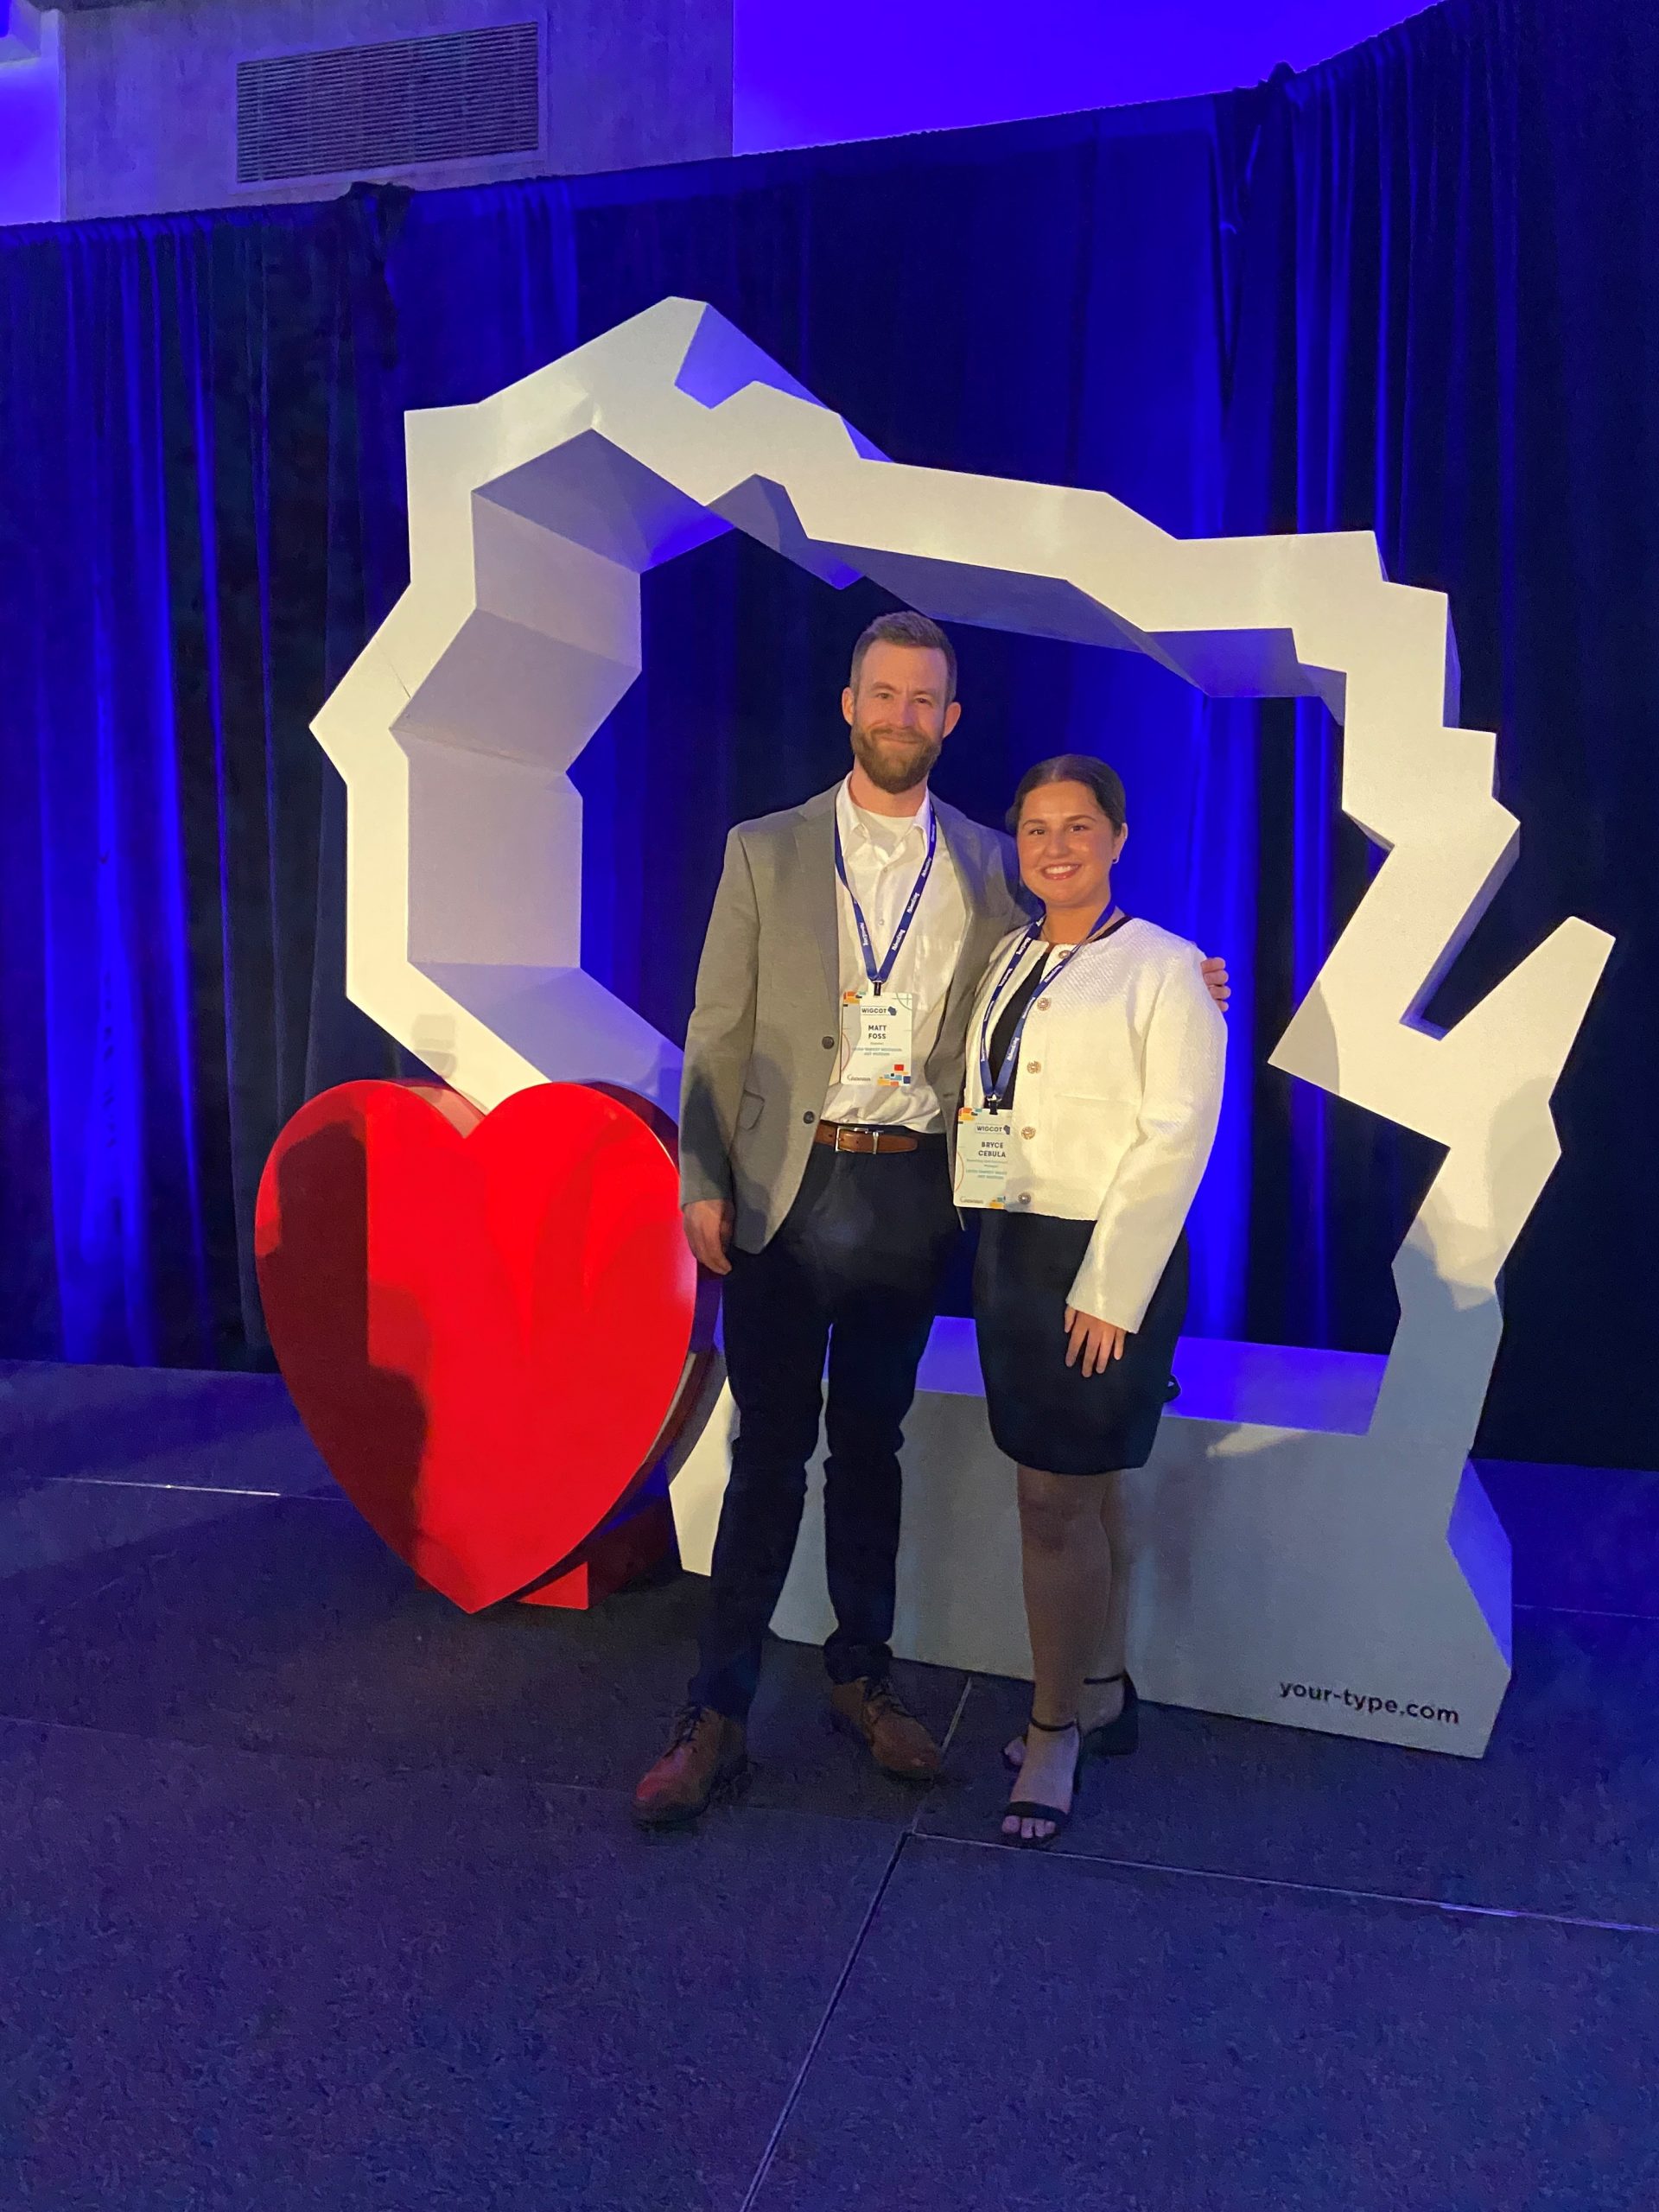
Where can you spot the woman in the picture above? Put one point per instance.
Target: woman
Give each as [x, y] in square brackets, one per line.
[1094, 1084]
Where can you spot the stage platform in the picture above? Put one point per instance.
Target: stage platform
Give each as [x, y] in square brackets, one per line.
[317, 1893]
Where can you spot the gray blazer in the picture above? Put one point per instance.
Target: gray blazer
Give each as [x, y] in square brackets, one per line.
[760, 1052]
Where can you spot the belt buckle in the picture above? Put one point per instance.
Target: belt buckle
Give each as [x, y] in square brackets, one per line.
[841, 1130]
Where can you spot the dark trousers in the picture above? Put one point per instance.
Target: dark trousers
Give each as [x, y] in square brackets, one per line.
[857, 1266]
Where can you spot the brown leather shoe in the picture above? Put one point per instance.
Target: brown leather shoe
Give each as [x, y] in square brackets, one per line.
[898, 1743]
[707, 1757]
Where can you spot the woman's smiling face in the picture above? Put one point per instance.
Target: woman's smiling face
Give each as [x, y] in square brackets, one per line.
[1067, 847]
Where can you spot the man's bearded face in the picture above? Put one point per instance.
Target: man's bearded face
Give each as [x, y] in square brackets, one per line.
[899, 715]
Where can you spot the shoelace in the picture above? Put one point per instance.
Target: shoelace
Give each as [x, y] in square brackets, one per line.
[882, 1698]
[687, 1722]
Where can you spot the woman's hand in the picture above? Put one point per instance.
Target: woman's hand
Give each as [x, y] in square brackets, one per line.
[1092, 1341]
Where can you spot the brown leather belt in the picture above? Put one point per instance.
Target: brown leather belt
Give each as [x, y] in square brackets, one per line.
[845, 1136]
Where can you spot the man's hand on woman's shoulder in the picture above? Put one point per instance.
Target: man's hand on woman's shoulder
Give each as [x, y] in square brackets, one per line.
[1214, 971]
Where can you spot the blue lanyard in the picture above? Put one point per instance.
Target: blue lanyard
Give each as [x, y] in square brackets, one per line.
[994, 1091]
[878, 976]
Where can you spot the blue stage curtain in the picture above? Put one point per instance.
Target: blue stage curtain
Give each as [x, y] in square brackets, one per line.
[1447, 331]
[202, 521]
[483, 286]
[1365, 394]
[195, 536]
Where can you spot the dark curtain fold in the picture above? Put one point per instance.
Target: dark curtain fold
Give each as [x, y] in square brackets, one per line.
[192, 548]
[1446, 332]
[1411, 291]
[1368, 390]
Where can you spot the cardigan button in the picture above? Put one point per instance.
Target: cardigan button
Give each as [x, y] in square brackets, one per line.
[1042, 1006]
[1033, 1067]
[1027, 1133]
[1025, 1197]
[829, 1044]
[809, 1119]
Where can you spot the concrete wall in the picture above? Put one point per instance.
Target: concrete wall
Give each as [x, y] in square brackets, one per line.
[150, 91]
[31, 135]
[119, 107]
[810, 72]
[633, 83]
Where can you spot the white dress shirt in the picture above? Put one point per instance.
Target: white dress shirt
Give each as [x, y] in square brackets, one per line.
[884, 854]
[1115, 1107]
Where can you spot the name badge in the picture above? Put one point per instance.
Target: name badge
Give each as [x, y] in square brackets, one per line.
[878, 1038]
[982, 1177]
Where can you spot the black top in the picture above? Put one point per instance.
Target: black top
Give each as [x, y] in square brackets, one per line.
[1002, 1035]
[1024, 992]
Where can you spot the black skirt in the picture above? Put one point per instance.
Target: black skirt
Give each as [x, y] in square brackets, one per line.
[1044, 1415]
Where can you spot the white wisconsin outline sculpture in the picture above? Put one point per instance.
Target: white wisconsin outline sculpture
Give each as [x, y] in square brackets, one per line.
[532, 516]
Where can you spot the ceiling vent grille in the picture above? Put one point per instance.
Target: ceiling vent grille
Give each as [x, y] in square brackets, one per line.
[462, 96]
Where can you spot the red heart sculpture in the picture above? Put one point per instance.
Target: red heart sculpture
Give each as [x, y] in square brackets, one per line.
[484, 1319]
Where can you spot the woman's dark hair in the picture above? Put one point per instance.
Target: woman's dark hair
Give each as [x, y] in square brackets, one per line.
[1105, 784]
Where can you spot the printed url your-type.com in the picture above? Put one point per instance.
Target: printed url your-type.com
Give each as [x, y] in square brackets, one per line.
[1360, 1702]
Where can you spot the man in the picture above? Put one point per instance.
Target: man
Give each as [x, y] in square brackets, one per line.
[823, 1067]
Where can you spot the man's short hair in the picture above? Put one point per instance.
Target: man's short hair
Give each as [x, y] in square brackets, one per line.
[906, 628]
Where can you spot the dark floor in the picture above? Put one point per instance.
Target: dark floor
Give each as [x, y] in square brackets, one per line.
[314, 1893]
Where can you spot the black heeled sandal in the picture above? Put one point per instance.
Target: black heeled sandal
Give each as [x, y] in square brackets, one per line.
[1108, 1739]
[1025, 1809]
[1116, 1738]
